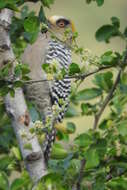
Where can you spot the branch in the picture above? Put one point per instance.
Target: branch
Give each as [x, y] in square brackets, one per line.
[77, 186]
[17, 109]
[110, 177]
[107, 99]
[80, 76]
[109, 96]
[83, 162]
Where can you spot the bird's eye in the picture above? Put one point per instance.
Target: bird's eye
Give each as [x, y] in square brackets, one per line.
[62, 23]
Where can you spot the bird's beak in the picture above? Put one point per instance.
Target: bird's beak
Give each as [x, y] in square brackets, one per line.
[73, 27]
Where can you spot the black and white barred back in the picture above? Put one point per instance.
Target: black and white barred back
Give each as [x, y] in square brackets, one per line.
[60, 89]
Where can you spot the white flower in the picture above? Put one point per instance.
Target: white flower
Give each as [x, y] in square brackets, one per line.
[23, 133]
[38, 124]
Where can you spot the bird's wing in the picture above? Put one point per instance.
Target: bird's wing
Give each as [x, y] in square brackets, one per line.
[38, 93]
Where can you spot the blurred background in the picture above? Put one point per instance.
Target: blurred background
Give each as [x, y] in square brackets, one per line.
[87, 19]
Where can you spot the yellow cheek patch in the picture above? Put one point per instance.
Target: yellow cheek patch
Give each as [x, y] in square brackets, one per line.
[53, 19]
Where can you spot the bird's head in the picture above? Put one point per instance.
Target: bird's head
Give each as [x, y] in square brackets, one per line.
[62, 27]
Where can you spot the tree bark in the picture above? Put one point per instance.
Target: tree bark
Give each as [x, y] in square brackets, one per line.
[17, 109]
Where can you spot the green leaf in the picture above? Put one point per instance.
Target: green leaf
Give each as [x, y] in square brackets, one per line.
[124, 78]
[73, 69]
[83, 140]
[12, 7]
[4, 72]
[19, 46]
[17, 70]
[53, 181]
[47, 3]
[115, 21]
[88, 94]
[92, 158]
[88, 109]
[71, 112]
[4, 91]
[101, 147]
[106, 32]
[28, 146]
[62, 136]
[104, 80]
[85, 108]
[58, 152]
[18, 84]
[31, 24]
[100, 2]
[2, 109]
[103, 125]
[4, 184]
[99, 183]
[11, 4]
[6, 140]
[12, 92]
[71, 128]
[31, 37]
[122, 128]
[74, 165]
[118, 184]
[3, 4]
[16, 152]
[42, 17]
[25, 69]
[109, 58]
[88, 1]
[18, 184]
[125, 32]
[4, 162]
[46, 67]
[21, 69]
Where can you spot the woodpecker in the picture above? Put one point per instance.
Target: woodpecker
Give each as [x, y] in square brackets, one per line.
[48, 94]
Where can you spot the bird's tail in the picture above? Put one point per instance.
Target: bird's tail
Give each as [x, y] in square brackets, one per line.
[49, 140]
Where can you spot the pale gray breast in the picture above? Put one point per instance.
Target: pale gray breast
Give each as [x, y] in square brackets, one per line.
[34, 56]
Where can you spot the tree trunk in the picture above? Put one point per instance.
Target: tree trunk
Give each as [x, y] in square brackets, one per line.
[17, 109]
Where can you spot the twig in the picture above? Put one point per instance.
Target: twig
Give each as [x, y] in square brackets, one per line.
[80, 76]
[77, 186]
[83, 162]
[109, 176]
[107, 99]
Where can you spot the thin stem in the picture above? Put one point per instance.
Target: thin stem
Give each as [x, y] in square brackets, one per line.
[109, 176]
[107, 99]
[78, 185]
[80, 76]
